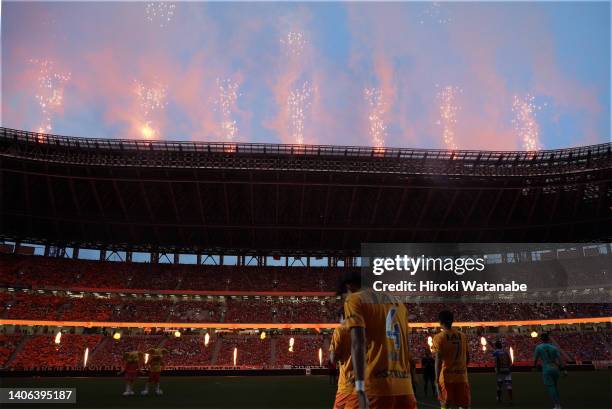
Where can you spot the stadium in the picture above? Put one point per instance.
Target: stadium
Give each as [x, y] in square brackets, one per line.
[373, 205]
[245, 244]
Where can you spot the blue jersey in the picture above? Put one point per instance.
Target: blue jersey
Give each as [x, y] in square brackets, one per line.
[503, 363]
[549, 355]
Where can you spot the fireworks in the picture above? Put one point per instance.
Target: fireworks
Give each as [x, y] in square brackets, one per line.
[291, 342]
[206, 339]
[85, 357]
[262, 336]
[430, 342]
[297, 104]
[151, 100]
[294, 43]
[483, 342]
[50, 93]
[436, 13]
[159, 12]
[235, 355]
[511, 355]
[524, 121]
[320, 357]
[378, 128]
[58, 338]
[448, 109]
[226, 101]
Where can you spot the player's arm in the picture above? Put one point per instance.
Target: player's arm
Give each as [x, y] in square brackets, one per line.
[359, 362]
[435, 349]
[333, 356]
[354, 320]
[438, 370]
[536, 357]
[561, 363]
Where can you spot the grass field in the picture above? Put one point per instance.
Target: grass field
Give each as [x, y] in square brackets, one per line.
[578, 390]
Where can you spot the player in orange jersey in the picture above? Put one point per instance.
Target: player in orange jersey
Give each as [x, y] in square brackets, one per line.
[379, 347]
[451, 355]
[340, 354]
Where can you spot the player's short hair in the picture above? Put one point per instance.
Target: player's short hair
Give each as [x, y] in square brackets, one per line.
[545, 336]
[498, 344]
[350, 277]
[446, 317]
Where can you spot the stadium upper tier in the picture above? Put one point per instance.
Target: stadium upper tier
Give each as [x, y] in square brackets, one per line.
[38, 272]
[267, 199]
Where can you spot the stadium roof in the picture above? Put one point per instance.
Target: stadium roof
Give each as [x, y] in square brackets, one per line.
[245, 198]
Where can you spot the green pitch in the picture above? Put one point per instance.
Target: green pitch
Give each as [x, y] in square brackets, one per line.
[579, 390]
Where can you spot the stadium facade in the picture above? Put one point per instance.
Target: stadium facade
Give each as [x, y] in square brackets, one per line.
[260, 201]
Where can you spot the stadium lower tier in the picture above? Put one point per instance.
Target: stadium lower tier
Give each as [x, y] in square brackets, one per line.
[51, 306]
[254, 350]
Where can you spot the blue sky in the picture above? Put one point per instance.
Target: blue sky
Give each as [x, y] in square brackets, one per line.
[442, 74]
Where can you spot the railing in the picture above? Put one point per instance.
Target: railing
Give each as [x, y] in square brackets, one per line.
[132, 145]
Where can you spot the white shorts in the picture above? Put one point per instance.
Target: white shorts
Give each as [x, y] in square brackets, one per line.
[504, 377]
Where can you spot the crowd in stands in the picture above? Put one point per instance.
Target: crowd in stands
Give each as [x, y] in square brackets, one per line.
[46, 272]
[8, 344]
[305, 350]
[587, 346]
[109, 353]
[41, 351]
[190, 351]
[90, 307]
[251, 350]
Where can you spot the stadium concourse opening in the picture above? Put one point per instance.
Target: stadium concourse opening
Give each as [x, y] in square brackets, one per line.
[178, 259]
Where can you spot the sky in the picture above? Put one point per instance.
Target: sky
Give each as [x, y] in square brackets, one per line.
[495, 76]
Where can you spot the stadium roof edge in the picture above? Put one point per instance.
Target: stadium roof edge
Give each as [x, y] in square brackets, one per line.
[286, 149]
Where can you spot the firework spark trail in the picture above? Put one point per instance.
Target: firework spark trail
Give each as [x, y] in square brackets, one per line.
[50, 93]
[228, 95]
[436, 13]
[525, 122]
[448, 109]
[294, 43]
[297, 104]
[159, 12]
[378, 128]
[150, 99]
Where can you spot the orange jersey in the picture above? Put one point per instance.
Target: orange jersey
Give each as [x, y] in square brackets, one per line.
[387, 371]
[451, 347]
[341, 346]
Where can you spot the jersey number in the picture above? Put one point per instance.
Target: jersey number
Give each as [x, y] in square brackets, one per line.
[393, 328]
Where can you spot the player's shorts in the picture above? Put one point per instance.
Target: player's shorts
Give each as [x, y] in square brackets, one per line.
[130, 375]
[346, 401]
[392, 402]
[551, 376]
[504, 378]
[455, 394]
[154, 377]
